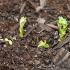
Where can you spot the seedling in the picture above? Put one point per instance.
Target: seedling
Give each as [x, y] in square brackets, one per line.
[9, 41]
[43, 44]
[6, 40]
[22, 22]
[62, 27]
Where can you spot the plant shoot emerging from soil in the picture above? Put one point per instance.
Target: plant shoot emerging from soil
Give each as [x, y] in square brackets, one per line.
[43, 44]
[62, 27]
[9, 41]
[22, 22]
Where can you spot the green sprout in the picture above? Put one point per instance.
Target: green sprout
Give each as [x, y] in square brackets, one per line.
[9, 41]
[43, 44]
[22, 22]
[62, 27]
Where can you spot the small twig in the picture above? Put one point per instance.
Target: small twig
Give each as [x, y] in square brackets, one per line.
[52, 26]
[61, 56]
[62, 43]
[32, 4]
[22, 7]
[64, 58]
[58, 55]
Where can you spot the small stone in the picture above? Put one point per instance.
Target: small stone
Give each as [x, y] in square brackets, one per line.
[56, 35]
[38, 51]
[35, 56]
[5, 45]
[30, 62]
[37, 62]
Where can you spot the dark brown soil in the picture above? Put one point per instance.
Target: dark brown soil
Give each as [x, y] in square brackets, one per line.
[24, 54]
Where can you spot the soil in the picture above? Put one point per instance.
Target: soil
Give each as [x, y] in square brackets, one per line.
[23, 54]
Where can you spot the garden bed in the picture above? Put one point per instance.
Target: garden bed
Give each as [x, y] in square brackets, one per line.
[41, 15]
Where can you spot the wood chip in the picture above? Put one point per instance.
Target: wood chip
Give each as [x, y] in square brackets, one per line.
[42, 4]
[68, 6]
[22, 7]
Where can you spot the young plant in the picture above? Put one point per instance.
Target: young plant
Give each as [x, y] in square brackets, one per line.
[9, 41]
[6, 40]
[43, 44]
[62, 27]
[22, 22]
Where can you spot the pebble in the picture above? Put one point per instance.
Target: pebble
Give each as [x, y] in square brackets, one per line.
[35, 56]
[38, 51]
[30, 62]
[56, 35]
[37, 62]
[5, 45]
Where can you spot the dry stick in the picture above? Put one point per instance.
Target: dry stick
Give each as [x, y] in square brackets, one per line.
[64, 58]
[54, 27]
[32, 4]
[62, 43]
[62, 54]
[22, 7]
[58, 55]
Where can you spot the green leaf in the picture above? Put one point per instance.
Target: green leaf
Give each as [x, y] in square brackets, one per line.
[43, 44]
[62, 27]
[22, 22]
